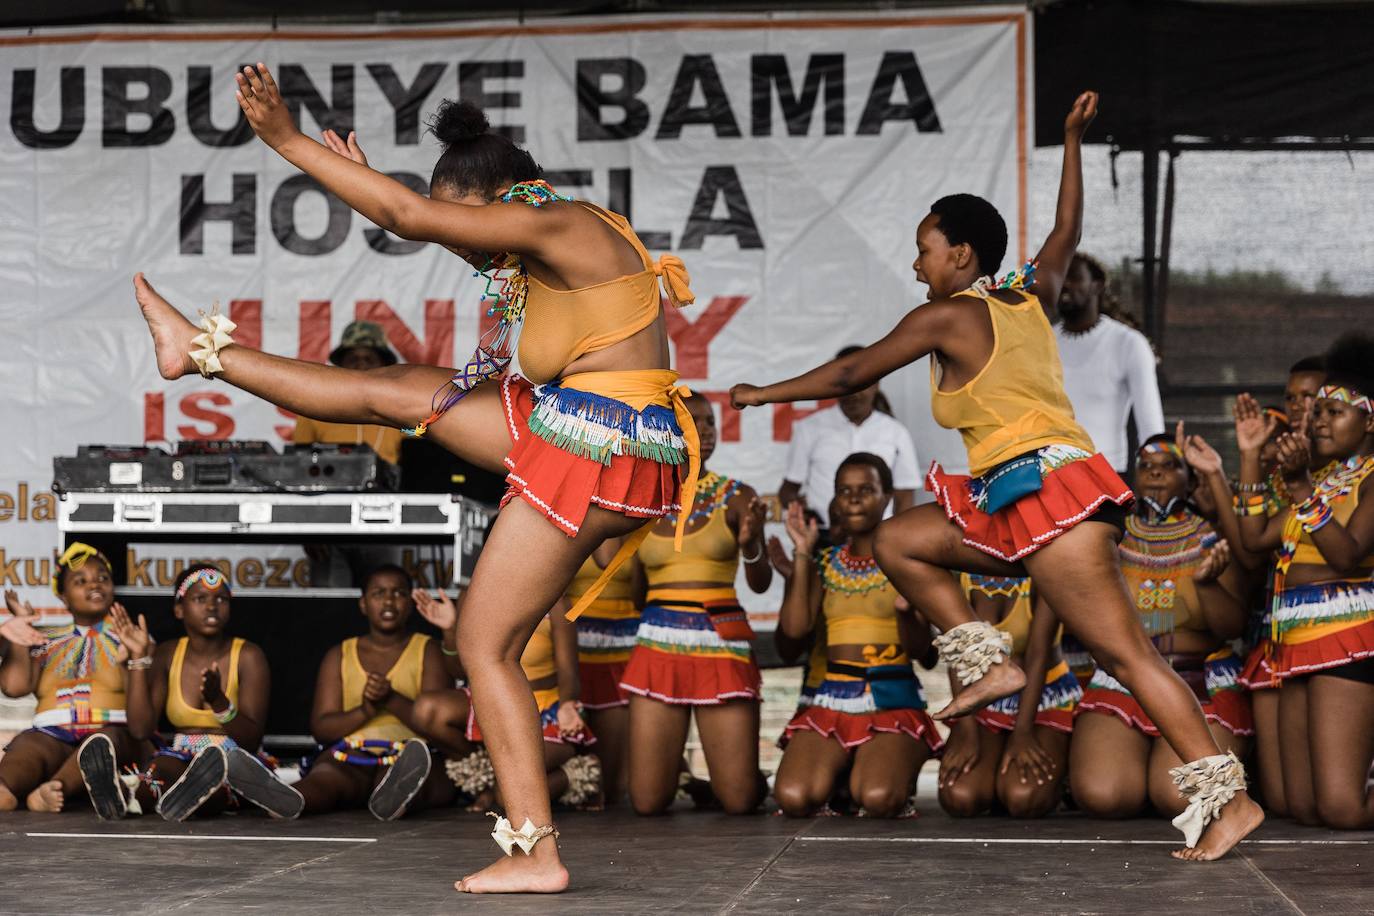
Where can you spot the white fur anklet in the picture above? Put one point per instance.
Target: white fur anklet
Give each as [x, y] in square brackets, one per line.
[473, 774]
[1207, 785]
[508, 838]
[584, 779]
[216, 329]
[971, 649]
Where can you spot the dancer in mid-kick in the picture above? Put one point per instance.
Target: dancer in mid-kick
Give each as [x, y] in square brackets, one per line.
[1040, 502]
[592, 451]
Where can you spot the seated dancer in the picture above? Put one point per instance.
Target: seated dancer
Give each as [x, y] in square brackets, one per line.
[1256, 675]
[213, 691]
[364, 712]
[605, 635]
[549, 660]
[1173, 564]
[1014, 752]
[694, 655]
[77, 673]
[591, 452]
[1040, 502]
[1323, 618]
[868, 714]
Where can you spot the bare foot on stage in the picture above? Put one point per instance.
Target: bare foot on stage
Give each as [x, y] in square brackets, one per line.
[518, 874]
[1240, 816]
[8, 801]
[1002, 680]
[47, 798]
[171, 331]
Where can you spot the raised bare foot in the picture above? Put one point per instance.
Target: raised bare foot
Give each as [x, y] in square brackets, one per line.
[8, 800]
[47, 798]
[1236, 821]
[1002, 679]
[171, 331]
[518, 874]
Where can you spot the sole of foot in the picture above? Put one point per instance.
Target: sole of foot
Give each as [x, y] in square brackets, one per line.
[517, 874]
[100, 773]
[1002, 680]
[171, 331]
[255, 783]
[47, 798]
[402, 782]
[202, 779]
[1237, 821]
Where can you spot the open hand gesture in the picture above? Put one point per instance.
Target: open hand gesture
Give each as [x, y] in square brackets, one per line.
[262, 104]
[1201, 457]
[1214, 563]
[438, 608]
[1253, 425]
[19, 629]
[804, 532]
[751, 521]
[1081, 114]
[349, 148]
[212, 688]
[134, 639]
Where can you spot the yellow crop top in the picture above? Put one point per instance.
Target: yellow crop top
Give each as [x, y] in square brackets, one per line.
[1016, 403]
[405, 676]
[1341, 491]
[79, 674]
[561, 326]
[709, 554]
[1158, 561]
[183, 715]
[619, 588]
[858, 620]
[1016, 622]
[537, 660]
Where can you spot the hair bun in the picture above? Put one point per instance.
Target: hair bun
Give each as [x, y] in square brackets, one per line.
[458, 122]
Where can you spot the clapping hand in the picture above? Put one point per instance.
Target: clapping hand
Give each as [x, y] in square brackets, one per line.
[377, 689]
[349, 148]
[19, 629]
[1200, 455]
[438, 609]
[1213, 564]
[804, 532]
[212, 688]
[262, 104]
[134, 639]
[1253, 425]
[751, 521]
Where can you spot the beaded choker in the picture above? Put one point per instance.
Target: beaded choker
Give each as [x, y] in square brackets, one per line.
[508, 293]
[843, 572]
[714, 492]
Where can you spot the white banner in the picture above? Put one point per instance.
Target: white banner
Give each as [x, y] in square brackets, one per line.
[786, 159]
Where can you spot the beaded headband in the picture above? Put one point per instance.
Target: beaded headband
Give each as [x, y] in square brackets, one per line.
[1162, 448]
[212, 579]
[1346, 396]
[75, 557]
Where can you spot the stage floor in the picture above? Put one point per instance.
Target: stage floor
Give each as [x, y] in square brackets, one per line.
[688, 862]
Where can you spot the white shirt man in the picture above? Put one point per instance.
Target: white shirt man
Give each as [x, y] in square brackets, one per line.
[823, 440]
[1109, 368]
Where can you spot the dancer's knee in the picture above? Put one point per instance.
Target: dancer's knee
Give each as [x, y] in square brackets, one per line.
[963, 799]
[1027, 801]
[737, 799]
[1344, 813]
[1101, 798]
[650, 801]
[795, 798]
[882, 800]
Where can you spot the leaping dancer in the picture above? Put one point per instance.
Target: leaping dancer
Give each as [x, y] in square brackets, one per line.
[1040, 501]
[592, 444]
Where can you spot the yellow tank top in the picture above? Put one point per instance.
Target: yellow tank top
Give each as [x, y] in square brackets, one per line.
[183, 715]
[78, 671]
[709, 554]
[1158, 561]
[616, 601]
[1016, 622]
[1343, 498]
[405, 676]
[1016, 403]
[859, 604]
[537, 660]
[561, 326]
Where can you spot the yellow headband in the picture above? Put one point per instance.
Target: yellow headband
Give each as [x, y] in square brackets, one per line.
[73, 558]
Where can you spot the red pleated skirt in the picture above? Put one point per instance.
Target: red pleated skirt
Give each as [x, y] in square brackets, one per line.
[562, 485]
[600, 682]
[1258, 674]
[1068, 495]
[1339, 648]
[854, 729]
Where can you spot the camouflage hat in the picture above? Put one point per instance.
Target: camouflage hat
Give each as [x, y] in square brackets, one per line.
[364, 334]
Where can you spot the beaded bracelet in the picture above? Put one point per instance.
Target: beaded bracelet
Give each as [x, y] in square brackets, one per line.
[1251, 511]
[137, 664]
[1314, 514]
[445, 649]
[1260, 487]
[224, 718]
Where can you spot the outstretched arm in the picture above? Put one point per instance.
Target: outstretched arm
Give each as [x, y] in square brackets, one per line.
[1057, 252]
[918, 334]
[388, 203]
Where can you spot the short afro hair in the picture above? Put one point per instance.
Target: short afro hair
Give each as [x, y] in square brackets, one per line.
[1308, 364]
[868, 460]
[967, 219]
[1350, 362]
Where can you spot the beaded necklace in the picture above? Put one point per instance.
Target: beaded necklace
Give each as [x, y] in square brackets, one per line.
[507, 287]
[715, 491]
[843, 572]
